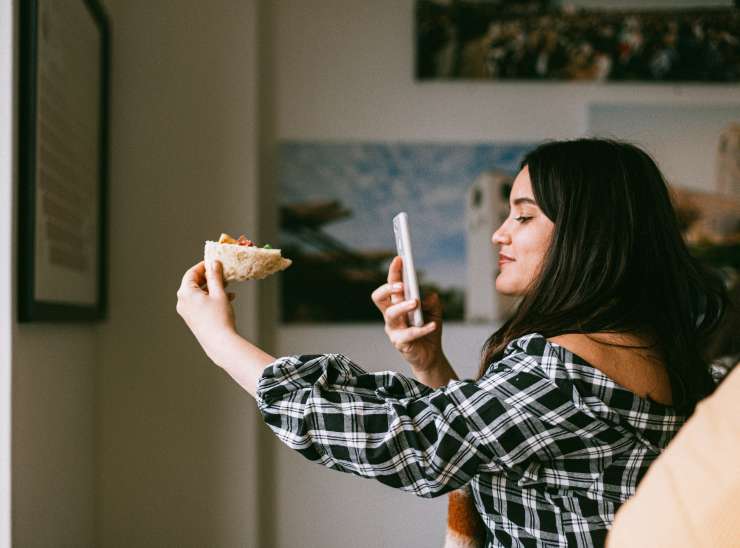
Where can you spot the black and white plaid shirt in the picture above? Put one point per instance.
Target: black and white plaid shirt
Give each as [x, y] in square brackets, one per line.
[549, 444]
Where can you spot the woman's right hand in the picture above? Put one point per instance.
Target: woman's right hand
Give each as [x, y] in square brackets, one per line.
[421, 347]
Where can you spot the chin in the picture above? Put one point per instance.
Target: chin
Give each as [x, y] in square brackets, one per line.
[506, 289]
[509, 293]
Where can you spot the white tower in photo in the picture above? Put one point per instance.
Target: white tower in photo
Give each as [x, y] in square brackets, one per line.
[728, 161]
[486, 207]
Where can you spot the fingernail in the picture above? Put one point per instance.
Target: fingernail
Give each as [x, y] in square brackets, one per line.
[398, 286]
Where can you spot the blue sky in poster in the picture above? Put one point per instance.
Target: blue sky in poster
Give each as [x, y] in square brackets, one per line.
[377, 180]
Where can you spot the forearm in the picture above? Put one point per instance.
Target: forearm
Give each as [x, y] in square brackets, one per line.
[242, 360]
[302, 397]
[436, 376]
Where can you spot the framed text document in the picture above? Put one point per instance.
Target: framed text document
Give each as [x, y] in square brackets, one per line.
[63, 160]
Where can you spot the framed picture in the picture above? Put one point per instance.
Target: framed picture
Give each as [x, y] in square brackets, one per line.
[64, 60]
[337, 203]
[656, 41]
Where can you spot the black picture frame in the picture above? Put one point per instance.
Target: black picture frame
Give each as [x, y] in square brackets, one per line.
[63, 161]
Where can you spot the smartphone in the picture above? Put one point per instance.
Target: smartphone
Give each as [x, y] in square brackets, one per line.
[410, 282]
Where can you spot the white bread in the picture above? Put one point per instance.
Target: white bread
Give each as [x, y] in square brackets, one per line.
[242, 262]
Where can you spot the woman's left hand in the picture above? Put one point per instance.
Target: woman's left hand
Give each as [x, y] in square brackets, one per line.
[206, 307]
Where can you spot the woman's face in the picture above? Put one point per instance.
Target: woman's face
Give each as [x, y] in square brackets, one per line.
[523, 239]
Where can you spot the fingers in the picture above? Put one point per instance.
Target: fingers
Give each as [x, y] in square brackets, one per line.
[204, 285]
[396, 316]
[215, 279]
[193, 278]
[195, 275]
[391, 292]
[402, 337]
[395, 275]
[382, 296]
[394, 313]
[198, 278]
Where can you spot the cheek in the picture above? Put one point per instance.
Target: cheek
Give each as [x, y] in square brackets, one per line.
[535, 246]
[531, 259]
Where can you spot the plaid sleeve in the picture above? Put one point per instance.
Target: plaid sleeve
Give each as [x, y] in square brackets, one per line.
[406, 435]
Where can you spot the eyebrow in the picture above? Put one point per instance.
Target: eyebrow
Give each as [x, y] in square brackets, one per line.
[524, 201]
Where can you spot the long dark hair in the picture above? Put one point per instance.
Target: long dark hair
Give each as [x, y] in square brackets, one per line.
[617, 262]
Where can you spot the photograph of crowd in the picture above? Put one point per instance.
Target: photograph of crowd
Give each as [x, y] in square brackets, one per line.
[586, 40]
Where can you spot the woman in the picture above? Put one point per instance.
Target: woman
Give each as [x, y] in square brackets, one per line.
[577, 393]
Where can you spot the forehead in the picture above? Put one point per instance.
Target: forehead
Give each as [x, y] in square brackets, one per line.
[522, 187]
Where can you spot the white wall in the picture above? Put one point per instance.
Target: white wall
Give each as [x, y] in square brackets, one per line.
[683, 140]
[7, 164]
[52, 391]
[122, 433]
[53, 429]
[175, 437]
[343, 71]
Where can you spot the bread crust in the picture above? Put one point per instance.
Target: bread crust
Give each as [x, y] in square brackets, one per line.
[245, 262]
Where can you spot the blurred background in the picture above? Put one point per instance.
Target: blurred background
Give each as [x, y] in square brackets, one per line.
[121, 432]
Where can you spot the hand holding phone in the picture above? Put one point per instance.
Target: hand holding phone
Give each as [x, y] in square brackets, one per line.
[410, 282]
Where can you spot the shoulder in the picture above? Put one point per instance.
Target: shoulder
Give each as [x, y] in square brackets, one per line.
[575, 343]
[535, 353]
[628, 360]
[532, 344]
[537, 346]
[528, 375]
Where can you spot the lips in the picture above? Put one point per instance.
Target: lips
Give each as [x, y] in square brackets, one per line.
[504, 259]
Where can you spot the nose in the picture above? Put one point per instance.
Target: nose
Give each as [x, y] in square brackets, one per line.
[501, 236]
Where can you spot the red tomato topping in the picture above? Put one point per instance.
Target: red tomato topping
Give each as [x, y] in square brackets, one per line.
[244, 241]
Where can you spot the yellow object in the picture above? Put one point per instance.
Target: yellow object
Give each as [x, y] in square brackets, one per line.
[226, 239]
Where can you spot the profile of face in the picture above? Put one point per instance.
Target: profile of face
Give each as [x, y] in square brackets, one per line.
[523, 239]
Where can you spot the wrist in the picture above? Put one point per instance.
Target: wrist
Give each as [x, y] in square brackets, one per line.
[437, 374]
[222, 347]
[440, 363]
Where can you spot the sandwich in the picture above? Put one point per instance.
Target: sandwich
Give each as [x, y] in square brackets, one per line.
[243, 260]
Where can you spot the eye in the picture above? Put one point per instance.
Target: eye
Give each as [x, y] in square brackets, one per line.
[522, 219]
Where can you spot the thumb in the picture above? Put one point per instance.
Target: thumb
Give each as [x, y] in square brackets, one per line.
[215, 280]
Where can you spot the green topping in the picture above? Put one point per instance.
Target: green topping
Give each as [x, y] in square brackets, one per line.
[266, 246]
